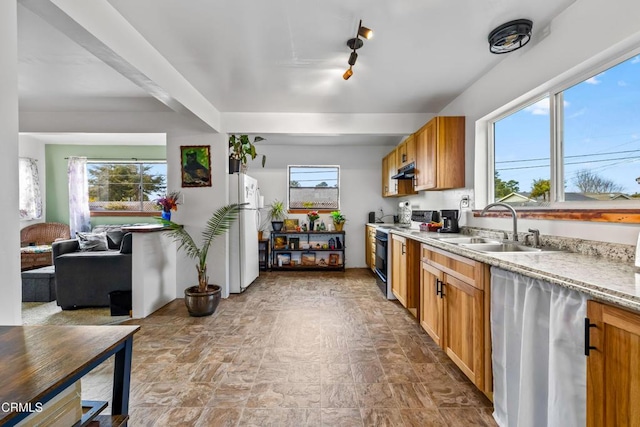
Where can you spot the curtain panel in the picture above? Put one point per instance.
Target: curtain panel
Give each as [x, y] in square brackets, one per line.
[79, 215]
[539, 367]
[30, 197]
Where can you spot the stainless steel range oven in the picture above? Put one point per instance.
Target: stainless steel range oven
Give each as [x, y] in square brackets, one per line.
[383, 269]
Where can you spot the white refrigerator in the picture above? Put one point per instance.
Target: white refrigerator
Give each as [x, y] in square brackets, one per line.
[243, 236]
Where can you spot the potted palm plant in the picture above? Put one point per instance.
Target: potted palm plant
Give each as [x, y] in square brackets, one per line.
[277, 215]
[203, 299]
[240, 149]
[338, 220]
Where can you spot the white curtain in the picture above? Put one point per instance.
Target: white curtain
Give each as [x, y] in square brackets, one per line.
[78, 195]
[539, 367]
[30, 198]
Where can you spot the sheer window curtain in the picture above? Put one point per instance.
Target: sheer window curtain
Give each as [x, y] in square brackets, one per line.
[30, 198]
[78, 195]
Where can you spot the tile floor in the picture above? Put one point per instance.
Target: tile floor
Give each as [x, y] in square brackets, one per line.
[296, 349]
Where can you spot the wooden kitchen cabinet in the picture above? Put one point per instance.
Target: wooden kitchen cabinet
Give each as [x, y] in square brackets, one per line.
[440, 154]
[405, 282]
[431, 304]
[370, 247]
[406, 152]
[613, 368]
[454, 311]
[394, 187]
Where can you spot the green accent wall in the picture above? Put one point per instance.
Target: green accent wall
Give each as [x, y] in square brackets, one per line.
[57, 185]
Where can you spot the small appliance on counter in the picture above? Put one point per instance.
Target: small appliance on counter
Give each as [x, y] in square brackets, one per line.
[404, 214]
[449, 221]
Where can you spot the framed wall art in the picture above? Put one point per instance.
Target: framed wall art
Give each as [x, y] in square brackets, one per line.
[308, 258]
[196, 165]
[334, 259]
[290, 224]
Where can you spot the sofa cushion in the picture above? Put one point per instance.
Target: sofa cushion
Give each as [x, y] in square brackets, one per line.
[114, 238]
[127, 244]
[92, 242]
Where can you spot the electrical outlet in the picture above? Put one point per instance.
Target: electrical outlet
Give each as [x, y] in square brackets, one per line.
[464, 202]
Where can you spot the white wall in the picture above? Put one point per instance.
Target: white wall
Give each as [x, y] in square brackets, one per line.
[588, 33]
[33, 148]
[360, 184]
[198, 205]
[10, 309]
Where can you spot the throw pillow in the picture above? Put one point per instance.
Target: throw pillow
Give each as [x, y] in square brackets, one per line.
[114, 238]
[92, 241]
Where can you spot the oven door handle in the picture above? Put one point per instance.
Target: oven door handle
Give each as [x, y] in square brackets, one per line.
[382, 239]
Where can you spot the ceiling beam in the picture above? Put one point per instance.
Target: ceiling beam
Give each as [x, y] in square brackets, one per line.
[100, 29]
[324, 123]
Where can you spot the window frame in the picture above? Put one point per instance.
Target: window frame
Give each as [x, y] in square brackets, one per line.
[305, 210]
[557, 208]
[118, 213]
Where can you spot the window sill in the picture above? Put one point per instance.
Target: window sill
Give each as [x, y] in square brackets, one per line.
[124, 213]
[620, 216]
[306, 211]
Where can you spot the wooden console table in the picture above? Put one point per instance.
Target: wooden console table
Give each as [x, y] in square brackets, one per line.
[39, 362]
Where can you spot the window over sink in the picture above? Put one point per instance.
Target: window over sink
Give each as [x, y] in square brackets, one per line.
[574, 146]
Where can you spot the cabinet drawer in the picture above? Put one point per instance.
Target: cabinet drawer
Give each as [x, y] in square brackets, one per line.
[465, 269]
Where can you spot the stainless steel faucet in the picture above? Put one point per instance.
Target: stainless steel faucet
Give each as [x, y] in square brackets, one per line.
[513, 214]
[535, 234]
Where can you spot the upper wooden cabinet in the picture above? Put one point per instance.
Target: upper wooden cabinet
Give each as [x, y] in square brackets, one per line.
[406, 152]
[613, 372]
[440, 154]
[394, 187]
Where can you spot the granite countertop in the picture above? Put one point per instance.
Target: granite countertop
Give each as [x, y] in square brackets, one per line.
[604, 279]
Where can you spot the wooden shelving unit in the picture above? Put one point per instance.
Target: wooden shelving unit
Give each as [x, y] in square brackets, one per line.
[308, 250]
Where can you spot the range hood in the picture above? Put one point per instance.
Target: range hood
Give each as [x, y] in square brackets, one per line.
[406, 172]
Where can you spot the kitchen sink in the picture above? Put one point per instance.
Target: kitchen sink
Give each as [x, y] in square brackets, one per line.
[503, 247]
[468, 240]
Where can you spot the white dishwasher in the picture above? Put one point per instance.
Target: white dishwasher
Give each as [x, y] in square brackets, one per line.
[539, 366]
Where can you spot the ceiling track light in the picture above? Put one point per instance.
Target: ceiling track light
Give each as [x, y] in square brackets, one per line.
[354, 44]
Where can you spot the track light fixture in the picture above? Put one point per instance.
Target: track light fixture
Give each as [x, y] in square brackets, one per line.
[354, 44]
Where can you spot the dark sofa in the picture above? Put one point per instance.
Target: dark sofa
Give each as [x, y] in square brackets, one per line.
[85, 278]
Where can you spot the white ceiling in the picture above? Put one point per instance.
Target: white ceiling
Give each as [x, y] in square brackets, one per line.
[281, 55]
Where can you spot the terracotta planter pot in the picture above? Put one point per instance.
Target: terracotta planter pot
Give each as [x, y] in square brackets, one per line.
[202, 303]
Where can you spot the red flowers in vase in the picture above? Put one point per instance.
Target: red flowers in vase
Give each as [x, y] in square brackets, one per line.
[169, 202]
[313, 215]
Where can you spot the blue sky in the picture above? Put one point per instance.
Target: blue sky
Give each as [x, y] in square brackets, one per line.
[601, 132]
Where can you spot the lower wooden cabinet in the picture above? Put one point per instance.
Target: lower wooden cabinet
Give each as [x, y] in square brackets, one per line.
[454, 311]
[370, 246]
[405, 282]
[613, 366]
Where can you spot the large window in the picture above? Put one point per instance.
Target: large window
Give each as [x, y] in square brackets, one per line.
[314, 187]
[126, 186]
[578, 144]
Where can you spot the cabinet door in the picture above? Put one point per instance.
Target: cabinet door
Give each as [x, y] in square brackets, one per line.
[392, 169]
[613, 368]
[464, 328]
[426, 156]
[399, 268]
[406, 152]
[450, 152]
[385, 176]
[431, 303]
